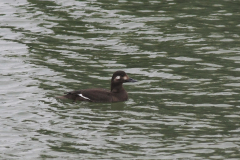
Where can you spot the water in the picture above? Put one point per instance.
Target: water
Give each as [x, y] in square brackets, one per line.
[184, 54]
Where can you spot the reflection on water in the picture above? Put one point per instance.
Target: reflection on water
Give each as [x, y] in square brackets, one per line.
[185, 56]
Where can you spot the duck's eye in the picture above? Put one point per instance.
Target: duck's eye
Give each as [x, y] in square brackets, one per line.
[118, 77]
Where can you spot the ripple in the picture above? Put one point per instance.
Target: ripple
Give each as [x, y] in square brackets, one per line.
[185, 103]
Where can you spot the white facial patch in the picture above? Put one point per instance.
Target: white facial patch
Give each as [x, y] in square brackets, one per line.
[125, 78]
[118, 77]
[83, 96]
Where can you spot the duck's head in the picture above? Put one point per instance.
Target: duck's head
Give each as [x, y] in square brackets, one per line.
[121, 77]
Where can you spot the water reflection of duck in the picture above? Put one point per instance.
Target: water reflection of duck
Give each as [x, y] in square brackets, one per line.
[116, 94]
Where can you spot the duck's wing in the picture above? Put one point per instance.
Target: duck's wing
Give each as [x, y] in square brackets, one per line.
[91, 95]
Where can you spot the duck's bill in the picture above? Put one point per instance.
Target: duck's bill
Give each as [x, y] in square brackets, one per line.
[130, 80]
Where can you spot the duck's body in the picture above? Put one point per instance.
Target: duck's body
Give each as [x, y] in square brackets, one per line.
[116, 94]
[97, 95]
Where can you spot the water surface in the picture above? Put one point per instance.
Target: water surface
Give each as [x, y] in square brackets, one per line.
[184, 54]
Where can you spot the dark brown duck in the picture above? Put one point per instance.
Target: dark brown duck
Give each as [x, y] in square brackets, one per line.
[116, 94]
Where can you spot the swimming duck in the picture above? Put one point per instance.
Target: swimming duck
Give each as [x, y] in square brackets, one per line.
[116, 94]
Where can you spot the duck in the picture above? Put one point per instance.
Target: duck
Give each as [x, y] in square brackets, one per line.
[116, 94]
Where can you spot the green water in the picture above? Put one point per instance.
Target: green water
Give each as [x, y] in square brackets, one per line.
[184, 54]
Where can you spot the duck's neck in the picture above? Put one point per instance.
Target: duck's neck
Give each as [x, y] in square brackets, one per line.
[116, 88]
